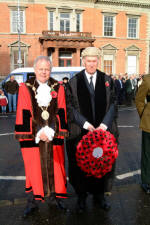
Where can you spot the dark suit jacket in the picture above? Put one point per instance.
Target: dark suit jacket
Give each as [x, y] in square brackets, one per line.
[128, 86]
[118, 85]
[83, 106]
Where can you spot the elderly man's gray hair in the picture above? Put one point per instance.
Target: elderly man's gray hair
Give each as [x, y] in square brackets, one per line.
[40, 58]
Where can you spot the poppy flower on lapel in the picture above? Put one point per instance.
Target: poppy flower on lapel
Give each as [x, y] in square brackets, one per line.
[107, 84]
[54, 94]
[96, 153]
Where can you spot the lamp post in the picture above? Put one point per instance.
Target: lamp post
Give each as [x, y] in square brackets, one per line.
[18, 28]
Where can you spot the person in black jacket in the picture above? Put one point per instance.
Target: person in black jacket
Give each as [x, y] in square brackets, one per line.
[11, 87]
[89, 107]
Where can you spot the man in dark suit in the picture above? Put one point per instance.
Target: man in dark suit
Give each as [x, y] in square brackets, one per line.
[119, 90]
[91, 105]
[129, 89]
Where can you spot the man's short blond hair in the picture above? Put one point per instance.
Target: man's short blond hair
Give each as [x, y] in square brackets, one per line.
[91, 51]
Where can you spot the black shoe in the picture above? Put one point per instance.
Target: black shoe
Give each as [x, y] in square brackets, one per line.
[101, 202]
[56, 202]
[60, 204]
[146, 188]
[105, 205]
[29, 211]
[81, 203]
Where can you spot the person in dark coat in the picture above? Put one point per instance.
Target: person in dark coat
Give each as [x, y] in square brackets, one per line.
[89, 108]
[129, 89]
[119, 90]
[11, 87]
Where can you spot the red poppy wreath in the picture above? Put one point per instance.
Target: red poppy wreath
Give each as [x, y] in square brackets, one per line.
[96, 152]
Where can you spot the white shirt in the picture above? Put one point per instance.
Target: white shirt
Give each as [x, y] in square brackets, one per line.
[94, 77]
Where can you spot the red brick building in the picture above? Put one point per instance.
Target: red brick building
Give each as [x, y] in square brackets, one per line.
[62, 29]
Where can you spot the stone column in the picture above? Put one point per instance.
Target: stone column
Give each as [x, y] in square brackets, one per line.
[78, 57]
[43, 49]
[55, 57]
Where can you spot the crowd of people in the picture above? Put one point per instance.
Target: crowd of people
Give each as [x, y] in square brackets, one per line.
[126, 87]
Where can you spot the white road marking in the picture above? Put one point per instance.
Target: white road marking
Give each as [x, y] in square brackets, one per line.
[119, 177]
[12, 177]
[6, 134]
[16, 178]
[125, 126]
[126, 109]
[126, 175]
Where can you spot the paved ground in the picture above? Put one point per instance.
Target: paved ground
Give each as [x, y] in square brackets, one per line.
[130, 205]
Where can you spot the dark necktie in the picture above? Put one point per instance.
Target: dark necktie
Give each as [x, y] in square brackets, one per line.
[91, 84]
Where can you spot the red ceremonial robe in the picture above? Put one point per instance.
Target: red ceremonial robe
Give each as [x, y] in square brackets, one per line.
[44, 162]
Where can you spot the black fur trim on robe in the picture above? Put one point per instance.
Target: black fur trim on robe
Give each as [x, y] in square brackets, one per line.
[28, 144]
[61, 114]
[85, 99]
[25, 127]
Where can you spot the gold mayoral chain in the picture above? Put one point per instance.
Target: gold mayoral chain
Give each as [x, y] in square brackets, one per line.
[45, 113]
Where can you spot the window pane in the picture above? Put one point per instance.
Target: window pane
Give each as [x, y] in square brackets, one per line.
[64, 15]
[108, 66]
[14, 21]
[21, 22]
[61, 62]
[78, 22]
[108, 25]
[132, 27]
[67, 26]
[62, 25]
[65, 22]
[65, 54]
[68, 62]
[17, 21]
[51, 20]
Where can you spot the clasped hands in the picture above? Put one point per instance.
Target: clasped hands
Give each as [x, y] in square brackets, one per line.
[45, 134]
[91, 128]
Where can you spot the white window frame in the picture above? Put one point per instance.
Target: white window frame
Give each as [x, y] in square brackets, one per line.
[137, 26]
[114, 24]
[23, 22]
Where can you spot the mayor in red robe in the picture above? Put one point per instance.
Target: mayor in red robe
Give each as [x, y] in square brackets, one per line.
[43, 153]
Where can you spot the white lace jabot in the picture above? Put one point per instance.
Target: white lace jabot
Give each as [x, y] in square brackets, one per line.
[43, 95]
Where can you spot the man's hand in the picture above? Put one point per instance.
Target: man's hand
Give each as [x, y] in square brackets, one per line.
[90, 128]
[102, 127]
[43, 137]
